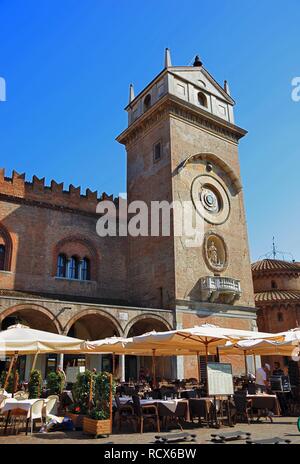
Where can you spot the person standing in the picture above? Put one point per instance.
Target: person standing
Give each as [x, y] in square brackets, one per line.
[282, 396]
[262, 380]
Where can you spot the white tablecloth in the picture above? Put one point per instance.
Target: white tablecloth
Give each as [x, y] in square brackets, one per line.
[170, 404]
[25, 405]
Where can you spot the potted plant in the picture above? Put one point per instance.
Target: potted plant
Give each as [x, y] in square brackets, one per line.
[35, 384]
[55, 383]
[99, 418]
[81, 395]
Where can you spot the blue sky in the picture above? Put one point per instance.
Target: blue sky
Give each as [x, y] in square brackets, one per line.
[68, 65]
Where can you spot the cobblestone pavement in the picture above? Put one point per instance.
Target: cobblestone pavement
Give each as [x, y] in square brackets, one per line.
[284, 427]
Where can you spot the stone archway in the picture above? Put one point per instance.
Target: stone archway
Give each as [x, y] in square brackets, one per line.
[98, 324]
[36, 317]
[146, 323]
[92, 325]
[139, 367]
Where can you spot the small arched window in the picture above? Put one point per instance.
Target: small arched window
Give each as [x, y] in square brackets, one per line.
[2, 257]
[202, 100]
[72, 268]
[61, 265]
[273, 284]
[5, 249]
[280, 317]
[84, 269]
[147, 102]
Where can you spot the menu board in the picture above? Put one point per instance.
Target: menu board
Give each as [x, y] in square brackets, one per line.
[220, 379]
[72, 373]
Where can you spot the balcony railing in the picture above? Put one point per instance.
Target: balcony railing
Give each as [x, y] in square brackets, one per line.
[220, 289]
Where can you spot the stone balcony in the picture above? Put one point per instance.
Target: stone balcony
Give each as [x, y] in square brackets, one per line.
[220, 289]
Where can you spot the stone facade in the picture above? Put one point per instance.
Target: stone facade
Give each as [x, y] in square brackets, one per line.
[182, 146]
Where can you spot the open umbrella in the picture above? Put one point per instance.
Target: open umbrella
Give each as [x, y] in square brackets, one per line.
[21, 340]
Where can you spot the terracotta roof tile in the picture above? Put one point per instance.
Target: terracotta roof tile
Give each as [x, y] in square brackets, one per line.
[279, 296]
[275, 265]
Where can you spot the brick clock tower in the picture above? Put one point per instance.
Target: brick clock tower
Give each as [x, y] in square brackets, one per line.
[182, 146]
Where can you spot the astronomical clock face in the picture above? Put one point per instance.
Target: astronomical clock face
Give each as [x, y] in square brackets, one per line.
[210, 199]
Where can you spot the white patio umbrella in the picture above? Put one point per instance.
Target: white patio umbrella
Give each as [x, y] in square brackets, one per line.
[21, 340]
[284, 346]
[199, 340]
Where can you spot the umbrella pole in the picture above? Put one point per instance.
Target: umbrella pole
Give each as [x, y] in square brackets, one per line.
[34, 361]
[246, 363]
[254, 359]
[206, 362]
[218, 355]
[91, 393]
[113, 364]
[15, 376]
[153, 368]
[199, 367]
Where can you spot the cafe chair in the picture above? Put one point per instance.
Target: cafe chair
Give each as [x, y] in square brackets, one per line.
[36, 413]
[125, 413]
[3, 416]
[243, 407]
[145, 413]
[50, 406]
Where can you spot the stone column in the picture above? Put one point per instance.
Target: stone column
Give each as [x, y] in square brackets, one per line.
[60, 361]
[122, 367]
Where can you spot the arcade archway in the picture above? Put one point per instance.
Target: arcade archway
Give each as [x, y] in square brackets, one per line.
[140, 367]
[35, 317]
[92, 325]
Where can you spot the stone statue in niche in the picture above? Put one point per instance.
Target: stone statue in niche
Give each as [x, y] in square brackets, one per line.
[213, 254]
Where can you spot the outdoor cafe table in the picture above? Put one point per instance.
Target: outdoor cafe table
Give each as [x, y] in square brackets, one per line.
[174, 407]
[210, 409]
[12, 404]
[25, 405]
[264, 403]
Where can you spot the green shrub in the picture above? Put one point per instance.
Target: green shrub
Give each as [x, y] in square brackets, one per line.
[35, 384]
[9, 386]
[101, 398]
[55, 383]
[81, 392]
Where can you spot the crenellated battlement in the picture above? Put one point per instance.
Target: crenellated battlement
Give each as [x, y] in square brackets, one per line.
[54, 195]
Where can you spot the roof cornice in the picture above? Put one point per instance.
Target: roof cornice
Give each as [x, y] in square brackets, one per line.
[170, 104]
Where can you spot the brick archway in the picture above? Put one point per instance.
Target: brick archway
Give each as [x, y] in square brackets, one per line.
[36, 316]
[159, 323]
[90, 315]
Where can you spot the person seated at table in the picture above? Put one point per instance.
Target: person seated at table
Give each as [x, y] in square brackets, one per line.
[142, 374]
[262, 381]
[277, 369]
[148, 375]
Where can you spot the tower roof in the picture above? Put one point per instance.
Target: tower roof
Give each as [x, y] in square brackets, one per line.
[275, 266]
[277, 296]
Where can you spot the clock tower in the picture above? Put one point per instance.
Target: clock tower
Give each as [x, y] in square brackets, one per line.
[182, 148]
